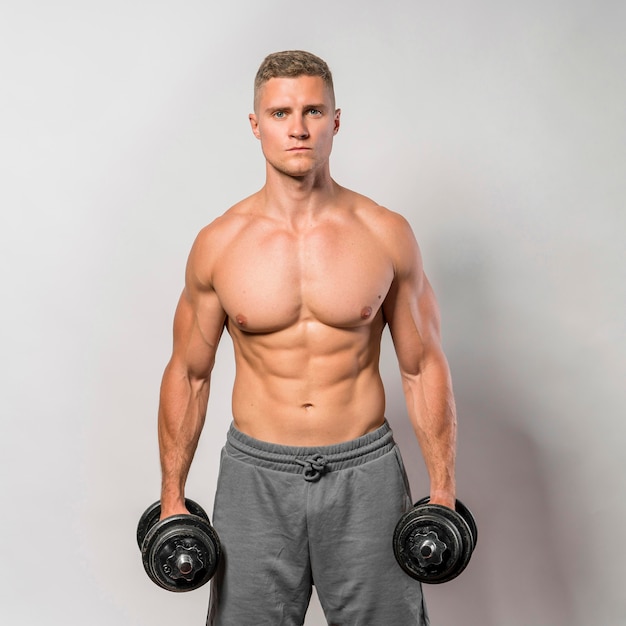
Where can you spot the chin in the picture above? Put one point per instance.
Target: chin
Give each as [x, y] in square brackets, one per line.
[295, 170]
[294, 165]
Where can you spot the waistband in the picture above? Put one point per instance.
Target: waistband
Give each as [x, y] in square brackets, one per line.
[310, 461]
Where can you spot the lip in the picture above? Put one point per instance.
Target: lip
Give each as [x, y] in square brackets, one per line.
[298, 149]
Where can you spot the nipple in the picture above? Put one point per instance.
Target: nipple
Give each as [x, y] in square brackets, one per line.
[241, 320]
[366, 311]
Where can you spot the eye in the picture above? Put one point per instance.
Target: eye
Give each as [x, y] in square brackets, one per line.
[279, 114]
[315, 112]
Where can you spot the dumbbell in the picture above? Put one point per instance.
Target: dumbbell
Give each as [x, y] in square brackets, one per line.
[433, 543]
[181, 552]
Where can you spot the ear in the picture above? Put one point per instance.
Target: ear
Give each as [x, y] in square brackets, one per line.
[254, 124]
[337, 121]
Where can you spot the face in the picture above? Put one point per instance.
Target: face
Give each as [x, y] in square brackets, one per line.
[295, 121]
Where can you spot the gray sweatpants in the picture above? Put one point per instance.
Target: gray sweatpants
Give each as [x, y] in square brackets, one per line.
[289, 517]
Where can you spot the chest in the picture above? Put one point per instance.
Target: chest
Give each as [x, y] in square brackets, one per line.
[269, 281]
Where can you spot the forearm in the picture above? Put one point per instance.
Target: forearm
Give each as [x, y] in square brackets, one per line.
[182, 410]
[431, 409]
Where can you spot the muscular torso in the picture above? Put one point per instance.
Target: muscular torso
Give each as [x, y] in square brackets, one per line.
[303, 306]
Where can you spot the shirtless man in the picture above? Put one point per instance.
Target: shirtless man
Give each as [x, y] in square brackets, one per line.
[304, 275]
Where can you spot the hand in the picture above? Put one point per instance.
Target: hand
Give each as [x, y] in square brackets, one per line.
[174, 508]
[447, 500]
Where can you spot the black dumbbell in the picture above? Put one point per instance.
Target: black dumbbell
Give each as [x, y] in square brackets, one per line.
[433, 543]
[181, 552]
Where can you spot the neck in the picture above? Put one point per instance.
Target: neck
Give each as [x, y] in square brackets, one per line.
[298, 196]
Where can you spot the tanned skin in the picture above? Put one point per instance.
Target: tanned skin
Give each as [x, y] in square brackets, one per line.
[304, 275]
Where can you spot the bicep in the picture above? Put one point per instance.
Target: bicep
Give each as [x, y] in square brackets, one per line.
[198, 326]
[199, 318]
[412, 314]
[411, 308]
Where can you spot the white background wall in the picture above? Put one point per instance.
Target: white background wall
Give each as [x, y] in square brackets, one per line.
[496, 127]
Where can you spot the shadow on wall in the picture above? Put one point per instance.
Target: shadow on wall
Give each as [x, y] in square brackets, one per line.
[515, 577]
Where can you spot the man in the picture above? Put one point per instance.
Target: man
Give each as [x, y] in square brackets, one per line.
[304, 275]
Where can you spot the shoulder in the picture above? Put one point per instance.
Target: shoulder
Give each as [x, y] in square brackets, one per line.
[376, 216]
[391, 229]
[228, 225]
[212, 240]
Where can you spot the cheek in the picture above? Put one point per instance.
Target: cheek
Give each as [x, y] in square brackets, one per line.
[269, 141]
[268, 132]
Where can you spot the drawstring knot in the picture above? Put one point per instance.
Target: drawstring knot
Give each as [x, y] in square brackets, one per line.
[314, 466]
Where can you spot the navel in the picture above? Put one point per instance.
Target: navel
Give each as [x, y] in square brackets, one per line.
[366, 311]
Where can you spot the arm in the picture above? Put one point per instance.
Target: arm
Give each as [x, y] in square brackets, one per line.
[198, 325]
[413, 316]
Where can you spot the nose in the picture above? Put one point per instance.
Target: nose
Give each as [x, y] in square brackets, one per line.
[298, 128]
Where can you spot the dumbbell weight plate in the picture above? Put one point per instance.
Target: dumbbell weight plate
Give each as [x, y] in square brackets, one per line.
[181, 552]
[466, 514]
[433, 543]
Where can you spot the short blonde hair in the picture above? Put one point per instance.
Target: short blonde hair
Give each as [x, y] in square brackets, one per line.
[291, 64]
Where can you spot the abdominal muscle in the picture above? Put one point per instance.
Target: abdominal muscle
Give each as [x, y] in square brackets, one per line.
[308, 385]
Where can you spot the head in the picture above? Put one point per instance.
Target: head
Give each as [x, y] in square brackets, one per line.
[294, 113]
[292, 64]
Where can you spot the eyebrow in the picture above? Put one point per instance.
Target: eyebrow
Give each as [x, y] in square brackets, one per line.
[320, 107]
